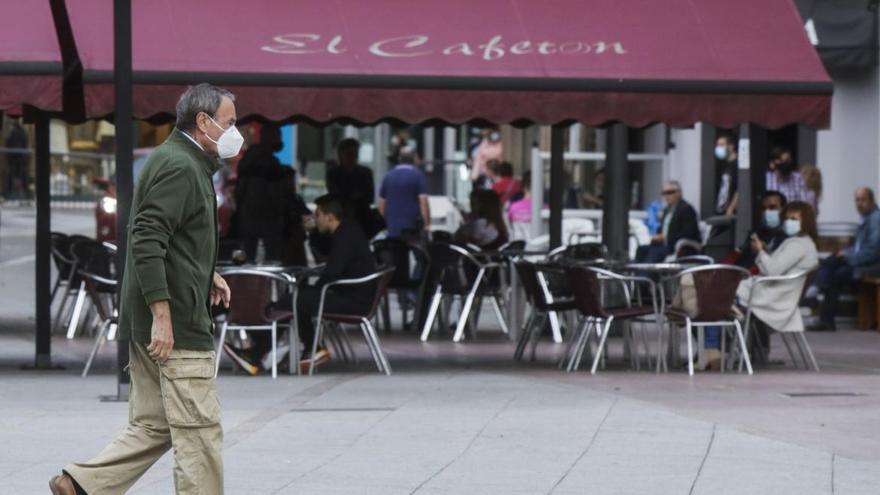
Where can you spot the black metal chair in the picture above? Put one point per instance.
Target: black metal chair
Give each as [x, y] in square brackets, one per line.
[715, 293]
[543, 304]
[66, 263]
[586, 285]
[76, 289]
[252, 290]
[381, 280]
[411, 263]
[458, 273]
[96, 267]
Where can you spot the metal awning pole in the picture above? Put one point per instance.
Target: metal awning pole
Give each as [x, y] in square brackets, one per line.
[615, 209]
[123, 117]
[557, 186]
[43, 357]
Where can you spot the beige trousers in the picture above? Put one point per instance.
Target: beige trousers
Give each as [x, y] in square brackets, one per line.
[173, 404]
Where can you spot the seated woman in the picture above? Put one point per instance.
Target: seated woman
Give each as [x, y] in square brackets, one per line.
[776, 304]
[485, 226]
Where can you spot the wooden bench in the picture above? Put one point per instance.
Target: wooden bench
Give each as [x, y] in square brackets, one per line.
[869, 303]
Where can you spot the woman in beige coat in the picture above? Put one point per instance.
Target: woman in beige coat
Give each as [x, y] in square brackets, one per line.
[776, 303]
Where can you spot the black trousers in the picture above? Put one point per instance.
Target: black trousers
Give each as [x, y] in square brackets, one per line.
[307, 301]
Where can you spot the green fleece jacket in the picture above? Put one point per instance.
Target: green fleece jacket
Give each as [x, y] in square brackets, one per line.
[172, 245]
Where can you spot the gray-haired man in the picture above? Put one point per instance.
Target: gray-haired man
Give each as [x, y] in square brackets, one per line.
[168, 283]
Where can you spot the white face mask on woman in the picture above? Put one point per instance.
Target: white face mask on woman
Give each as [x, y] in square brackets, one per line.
[792, 227]
[229, 143]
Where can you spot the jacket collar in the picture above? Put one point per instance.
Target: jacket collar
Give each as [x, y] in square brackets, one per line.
[210, 163]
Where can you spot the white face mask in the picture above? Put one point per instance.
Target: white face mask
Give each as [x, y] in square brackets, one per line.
[792, 227]
[771, 218]
[721, 152]
[229, 143]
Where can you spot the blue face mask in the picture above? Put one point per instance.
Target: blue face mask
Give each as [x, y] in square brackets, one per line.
[721, 152]
[771, 218]
[792, 227]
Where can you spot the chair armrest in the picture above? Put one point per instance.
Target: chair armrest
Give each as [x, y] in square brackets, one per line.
[355, 281]
[97, 278]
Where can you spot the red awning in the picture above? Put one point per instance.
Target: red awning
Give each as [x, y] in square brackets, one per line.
[30, 60]
[507, 61]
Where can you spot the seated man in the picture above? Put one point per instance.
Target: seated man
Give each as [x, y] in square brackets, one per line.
[679, 221]
[843, 268]
[769, 232]
[350, 257]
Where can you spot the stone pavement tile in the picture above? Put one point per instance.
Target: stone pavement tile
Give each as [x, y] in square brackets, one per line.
[743, 463]
[856, 477]
[635, 474]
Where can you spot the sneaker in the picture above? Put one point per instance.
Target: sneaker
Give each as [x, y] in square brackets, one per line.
[282, 351]
[321, 357]
[242, 362]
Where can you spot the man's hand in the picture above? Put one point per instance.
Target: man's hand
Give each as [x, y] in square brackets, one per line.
[757, 244]
[220, 292]
[162, 333]
[658, 238]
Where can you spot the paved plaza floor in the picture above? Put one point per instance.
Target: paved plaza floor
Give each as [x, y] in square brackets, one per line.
[464, 419]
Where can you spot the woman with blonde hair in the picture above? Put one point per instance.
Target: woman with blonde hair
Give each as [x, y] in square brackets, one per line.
[813, 182]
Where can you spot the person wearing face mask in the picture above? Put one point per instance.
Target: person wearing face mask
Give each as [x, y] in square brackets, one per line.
[770, 232]
[844, 268]
[488, 149]
[725, 153]
[775, 306]
[166, 291]
[784, 177]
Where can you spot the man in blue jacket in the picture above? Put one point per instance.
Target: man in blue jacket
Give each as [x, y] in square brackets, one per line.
[845, 267]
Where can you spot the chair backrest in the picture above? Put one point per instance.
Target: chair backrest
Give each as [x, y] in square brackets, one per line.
[252, 293]
[451, 267]
[442, 236]
[96, 266]
[386, 275]
[93, 258]
[513, 246]
[61, 254]
[586, 251]
[404, 257]
[715, 287]
[528, 276]
[584, 284]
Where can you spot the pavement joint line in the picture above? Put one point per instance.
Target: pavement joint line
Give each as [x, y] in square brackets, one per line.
[705, 456]
[338, 455]
[467, 447]
[586, 449]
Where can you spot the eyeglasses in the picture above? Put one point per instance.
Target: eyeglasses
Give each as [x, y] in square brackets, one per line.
[669, 193]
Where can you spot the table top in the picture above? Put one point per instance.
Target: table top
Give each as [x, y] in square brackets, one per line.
[659, 267]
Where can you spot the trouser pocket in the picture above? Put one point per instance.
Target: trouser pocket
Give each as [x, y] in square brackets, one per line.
[189, 393]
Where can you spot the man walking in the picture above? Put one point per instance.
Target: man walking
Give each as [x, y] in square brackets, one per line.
[168, 282]
[403, 198]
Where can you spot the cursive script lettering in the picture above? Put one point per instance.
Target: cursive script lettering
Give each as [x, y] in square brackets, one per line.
[383, 48]
[419, 45]
[458, 48]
